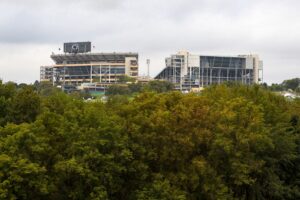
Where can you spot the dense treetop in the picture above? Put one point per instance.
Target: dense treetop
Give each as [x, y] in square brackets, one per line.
[229, 142]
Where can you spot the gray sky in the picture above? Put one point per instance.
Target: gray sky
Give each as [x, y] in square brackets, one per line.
[31, 29]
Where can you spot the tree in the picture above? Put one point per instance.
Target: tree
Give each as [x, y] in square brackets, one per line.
[25, 105]
[7, 91]
[45, 88]
[117, 90]
[125, 79]
[292, 84]
[135, 87]
[159, 86]
[229, 142]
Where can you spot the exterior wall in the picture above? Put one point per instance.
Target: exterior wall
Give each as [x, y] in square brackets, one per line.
[46, 73]
[253, 62]
[84, 71]
[189, 71]
[217, 69]
[183, 62]
[255, 68]
[194, 61]
[131, 67]
[88, 73]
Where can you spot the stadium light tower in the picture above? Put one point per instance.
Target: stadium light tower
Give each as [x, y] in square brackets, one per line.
[148, 68]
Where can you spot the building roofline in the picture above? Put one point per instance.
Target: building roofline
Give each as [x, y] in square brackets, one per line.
[93, 57]
[227, 56]
[99, 53]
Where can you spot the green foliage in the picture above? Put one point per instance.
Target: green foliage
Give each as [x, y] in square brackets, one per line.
[160, 190]
[159, 86]
[45, 88]
[135, 87]
[117, 90]
[25, 105]
[125, 79]
[276, 87]
[290, 84]
[229, 142]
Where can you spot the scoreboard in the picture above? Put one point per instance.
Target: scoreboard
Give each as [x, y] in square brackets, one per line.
[77, 47]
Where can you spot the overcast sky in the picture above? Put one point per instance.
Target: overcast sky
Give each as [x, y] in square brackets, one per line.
[30, 30]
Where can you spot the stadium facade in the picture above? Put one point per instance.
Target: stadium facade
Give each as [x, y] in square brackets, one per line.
[79, 65]
[46, 73]
[188, 71]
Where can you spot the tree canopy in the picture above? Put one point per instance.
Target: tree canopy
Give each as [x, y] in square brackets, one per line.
[229, 142]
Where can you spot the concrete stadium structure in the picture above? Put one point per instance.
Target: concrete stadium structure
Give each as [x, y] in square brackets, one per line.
[46, 73]
[73, 68]
[189, 71]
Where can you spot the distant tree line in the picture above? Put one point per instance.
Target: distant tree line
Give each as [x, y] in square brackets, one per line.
[291, 84]
[229, 142]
